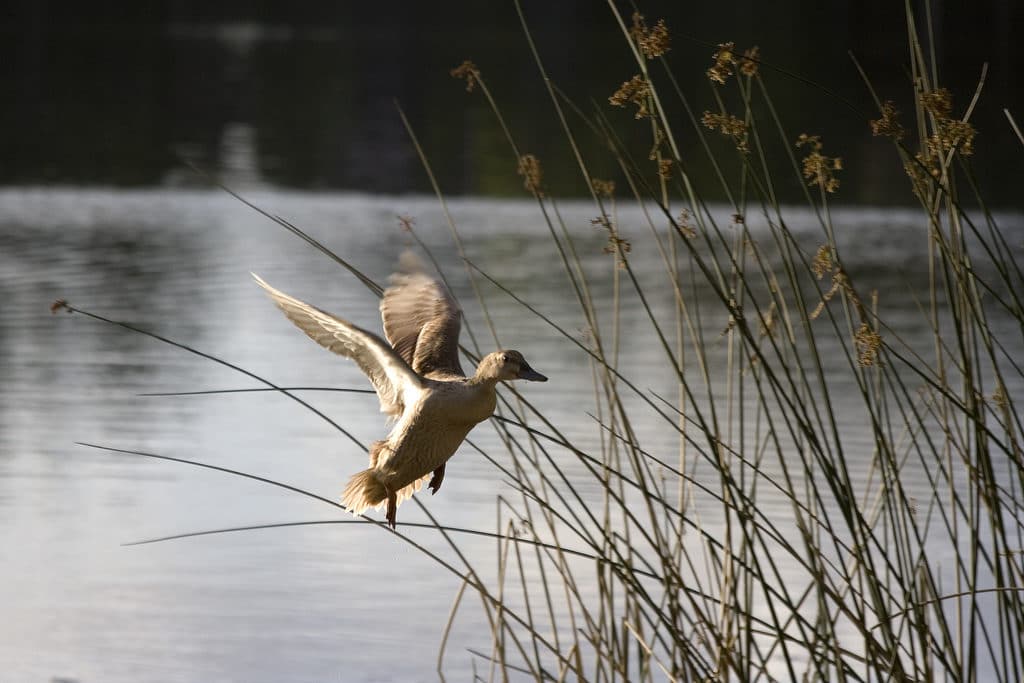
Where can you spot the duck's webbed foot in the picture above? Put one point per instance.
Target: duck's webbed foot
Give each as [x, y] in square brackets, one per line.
[392, 509]
[435, 481]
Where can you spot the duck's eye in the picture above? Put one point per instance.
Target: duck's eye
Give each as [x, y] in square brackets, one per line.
[505, 358]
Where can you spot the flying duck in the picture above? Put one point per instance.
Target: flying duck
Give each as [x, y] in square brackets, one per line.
[418, 379]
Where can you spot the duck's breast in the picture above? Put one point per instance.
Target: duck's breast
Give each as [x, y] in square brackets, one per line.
[460, 402]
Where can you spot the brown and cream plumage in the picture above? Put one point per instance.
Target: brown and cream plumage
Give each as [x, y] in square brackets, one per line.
[418, 380]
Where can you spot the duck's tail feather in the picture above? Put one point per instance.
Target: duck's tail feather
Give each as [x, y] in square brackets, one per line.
[365, 490]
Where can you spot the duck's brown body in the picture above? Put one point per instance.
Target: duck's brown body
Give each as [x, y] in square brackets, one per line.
[418, 380]
[422, 441]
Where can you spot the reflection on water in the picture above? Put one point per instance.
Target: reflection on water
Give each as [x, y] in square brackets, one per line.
[304, 603]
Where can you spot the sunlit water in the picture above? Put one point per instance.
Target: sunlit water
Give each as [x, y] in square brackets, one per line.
[308, 603]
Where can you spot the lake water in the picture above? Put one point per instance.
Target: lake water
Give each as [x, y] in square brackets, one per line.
[306, 603]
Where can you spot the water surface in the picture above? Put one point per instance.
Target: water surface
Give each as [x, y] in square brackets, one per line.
[312, 603]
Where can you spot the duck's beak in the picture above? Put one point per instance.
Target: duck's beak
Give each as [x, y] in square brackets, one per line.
[526, 372]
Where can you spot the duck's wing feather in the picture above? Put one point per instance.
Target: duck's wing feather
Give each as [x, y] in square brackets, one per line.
[390, 375]
[422, 321]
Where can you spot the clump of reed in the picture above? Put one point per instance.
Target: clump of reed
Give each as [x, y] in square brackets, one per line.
[909, 571]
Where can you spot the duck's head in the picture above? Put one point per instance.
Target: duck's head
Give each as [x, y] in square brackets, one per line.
[506, 365]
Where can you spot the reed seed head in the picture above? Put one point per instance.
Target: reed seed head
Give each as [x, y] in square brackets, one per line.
[953, 134]
[665, 169]
[603, 188]
[888, 126]
[823, 261]
[724, 59]
[468, 71]
[685, 223]
[653, 42]
[532, 173]
[749, 61]
[616, 245]
[939, 102]
[636, 90]
[728, 125]
[819, 169]
[950, 133]
[868, 343]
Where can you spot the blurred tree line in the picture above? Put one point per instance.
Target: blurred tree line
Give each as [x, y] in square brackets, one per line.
[304, 92]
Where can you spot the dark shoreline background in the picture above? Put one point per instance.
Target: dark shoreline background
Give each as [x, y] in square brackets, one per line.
[302, 95]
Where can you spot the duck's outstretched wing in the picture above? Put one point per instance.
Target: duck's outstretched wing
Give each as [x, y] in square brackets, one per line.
[422, 320]
[390, 375]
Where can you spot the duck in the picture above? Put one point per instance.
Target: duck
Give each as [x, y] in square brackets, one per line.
[418, 379]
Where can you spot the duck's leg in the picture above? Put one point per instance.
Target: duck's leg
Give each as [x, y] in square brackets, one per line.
[392, 508]
[435, 481]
